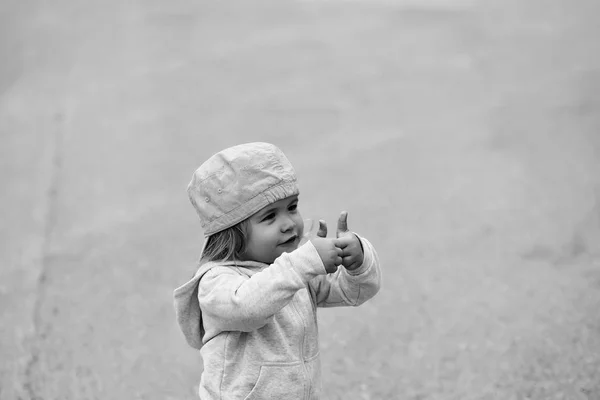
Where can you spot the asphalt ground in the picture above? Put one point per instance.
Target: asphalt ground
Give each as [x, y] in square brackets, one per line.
[461, 136]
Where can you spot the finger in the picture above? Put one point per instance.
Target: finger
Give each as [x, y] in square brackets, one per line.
[338, 261]
[322, 232]
[340, 252]
[348, 262]
[342, 242]
[342, 225]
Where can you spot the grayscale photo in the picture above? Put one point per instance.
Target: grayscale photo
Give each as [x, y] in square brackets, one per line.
[300, 200]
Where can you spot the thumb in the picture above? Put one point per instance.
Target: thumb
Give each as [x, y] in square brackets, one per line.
[342, 225]
[322, 232]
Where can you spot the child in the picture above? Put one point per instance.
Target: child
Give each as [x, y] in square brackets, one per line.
[251, 306]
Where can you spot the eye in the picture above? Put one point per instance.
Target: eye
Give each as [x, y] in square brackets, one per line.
[293, 207]
[269, 216]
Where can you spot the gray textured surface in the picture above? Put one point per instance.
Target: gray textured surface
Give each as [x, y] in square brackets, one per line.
[462, 137]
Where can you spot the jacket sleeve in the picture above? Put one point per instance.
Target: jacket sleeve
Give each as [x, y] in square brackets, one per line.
[235, 302]
[349, 288]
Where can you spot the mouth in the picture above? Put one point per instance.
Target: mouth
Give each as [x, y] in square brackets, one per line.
[290, 241]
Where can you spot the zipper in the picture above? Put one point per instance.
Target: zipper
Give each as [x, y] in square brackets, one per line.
[301, 345]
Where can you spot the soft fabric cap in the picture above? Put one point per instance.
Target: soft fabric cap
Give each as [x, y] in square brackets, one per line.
[239, 181]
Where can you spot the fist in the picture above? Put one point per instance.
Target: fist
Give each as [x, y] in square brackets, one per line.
[352, 251]
[329, 253]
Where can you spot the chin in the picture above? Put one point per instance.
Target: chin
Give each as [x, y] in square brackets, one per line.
[280, 254]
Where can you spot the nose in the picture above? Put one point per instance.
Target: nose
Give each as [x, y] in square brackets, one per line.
[287, 224]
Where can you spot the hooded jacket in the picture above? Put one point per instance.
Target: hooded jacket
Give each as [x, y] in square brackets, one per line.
[256, 324]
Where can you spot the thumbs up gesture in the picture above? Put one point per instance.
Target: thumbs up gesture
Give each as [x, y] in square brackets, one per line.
[352, 251]
[328, 251]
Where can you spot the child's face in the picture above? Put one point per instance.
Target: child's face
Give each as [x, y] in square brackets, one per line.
[274, 230]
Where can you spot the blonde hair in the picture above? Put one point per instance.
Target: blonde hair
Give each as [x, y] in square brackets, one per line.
[226, 245]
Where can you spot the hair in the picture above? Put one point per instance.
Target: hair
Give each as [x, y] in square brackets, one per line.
[226, 245]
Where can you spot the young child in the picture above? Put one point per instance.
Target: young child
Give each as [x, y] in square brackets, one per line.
[251, 308]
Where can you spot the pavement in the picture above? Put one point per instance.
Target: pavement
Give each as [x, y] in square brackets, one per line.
[461, 136]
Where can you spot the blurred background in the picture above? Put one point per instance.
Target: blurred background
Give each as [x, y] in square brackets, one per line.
[463, 137]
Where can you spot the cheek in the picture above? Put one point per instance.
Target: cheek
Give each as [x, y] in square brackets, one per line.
[300, 224]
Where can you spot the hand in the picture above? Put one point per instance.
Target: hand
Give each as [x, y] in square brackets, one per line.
[329, 253]
[352, 251]
[322, 232]
[311, 231]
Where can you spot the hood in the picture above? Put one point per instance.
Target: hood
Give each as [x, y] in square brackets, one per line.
[187, 307]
